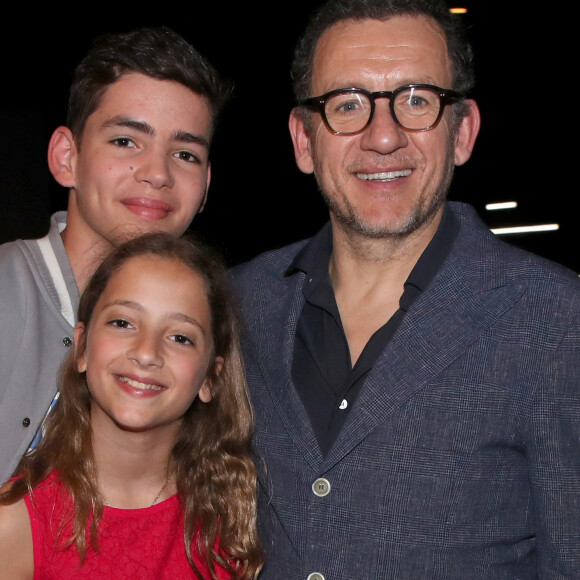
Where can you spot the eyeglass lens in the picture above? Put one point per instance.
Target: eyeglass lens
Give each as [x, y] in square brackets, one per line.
[414, 108]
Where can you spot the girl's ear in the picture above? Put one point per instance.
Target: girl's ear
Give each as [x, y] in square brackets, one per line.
[80, 347]
[204, 393]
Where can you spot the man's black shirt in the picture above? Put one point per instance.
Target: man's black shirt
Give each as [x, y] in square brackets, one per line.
[322, 370]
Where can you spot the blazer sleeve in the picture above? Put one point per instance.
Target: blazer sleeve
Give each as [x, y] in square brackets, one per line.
[554, 461]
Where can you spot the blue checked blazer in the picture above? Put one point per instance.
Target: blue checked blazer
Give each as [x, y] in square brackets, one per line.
[461, 456]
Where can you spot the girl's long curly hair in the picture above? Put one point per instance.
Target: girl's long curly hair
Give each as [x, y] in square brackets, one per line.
[212, 457]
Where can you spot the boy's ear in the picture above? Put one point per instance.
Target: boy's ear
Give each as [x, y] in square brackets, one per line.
[61, 156]
[208, 181]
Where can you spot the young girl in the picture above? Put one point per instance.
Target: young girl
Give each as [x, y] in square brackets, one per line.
[145, 469]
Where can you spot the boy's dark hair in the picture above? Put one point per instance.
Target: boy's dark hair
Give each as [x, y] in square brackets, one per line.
[159, 53]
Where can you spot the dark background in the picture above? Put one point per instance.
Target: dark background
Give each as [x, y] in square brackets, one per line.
[258, 198]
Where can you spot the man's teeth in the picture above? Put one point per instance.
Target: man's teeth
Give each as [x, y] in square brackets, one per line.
[138, 385]
[384, 175]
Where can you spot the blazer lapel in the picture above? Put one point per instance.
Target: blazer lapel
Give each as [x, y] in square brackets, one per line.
[276, 333]
[444, 321]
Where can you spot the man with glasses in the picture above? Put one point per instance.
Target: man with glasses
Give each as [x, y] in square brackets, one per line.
[416, 380]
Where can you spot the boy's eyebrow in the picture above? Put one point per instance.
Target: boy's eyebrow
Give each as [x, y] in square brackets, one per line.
[147, 129]
[186, 137]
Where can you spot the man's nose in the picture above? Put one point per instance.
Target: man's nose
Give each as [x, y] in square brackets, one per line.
[382, 134]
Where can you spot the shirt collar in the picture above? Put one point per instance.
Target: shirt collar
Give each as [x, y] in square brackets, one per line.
[314, 257]
[431, 259]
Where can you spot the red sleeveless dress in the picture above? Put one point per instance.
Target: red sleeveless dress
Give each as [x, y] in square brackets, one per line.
[143, 544]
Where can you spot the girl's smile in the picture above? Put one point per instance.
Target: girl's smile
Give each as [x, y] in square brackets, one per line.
[149, 345]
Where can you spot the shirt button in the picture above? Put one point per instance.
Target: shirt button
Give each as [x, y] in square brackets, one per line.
[315, 576]
[26, 422]
[66, 341]
[321, 487]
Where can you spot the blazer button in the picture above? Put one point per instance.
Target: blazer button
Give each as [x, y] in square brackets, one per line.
[315, 576]
[26, 422]
[66, 341]
[321, 487]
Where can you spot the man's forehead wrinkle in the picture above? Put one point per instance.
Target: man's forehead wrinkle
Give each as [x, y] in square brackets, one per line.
[381, 46]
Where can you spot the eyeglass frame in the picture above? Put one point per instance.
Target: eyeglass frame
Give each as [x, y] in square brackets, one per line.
[446, 97]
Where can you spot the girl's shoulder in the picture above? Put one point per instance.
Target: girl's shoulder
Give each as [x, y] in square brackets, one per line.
[16, 553]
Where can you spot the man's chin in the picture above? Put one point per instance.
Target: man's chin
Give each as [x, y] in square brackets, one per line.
[388, 228]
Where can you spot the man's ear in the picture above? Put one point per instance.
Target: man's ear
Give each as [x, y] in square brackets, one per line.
[80, 346]
[467, 133]
[301, 142]
[61, 156]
